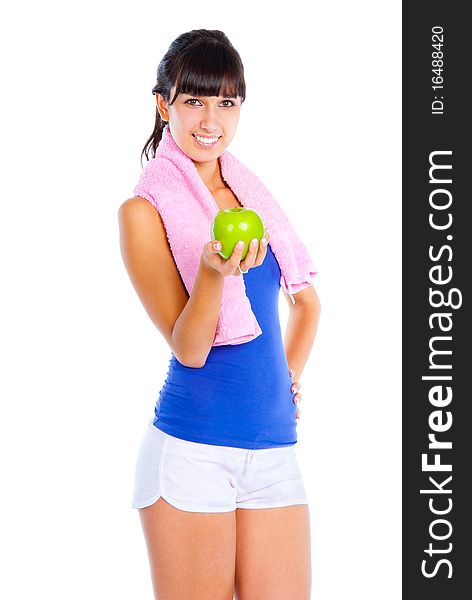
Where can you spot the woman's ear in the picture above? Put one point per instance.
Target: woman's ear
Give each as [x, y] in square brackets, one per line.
[162, 107]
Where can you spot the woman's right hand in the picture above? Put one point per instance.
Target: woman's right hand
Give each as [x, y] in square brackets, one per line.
[227, 267]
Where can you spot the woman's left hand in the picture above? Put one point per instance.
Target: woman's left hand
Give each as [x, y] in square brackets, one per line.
[294, 388]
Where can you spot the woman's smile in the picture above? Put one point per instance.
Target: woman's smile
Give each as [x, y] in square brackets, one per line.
[206, 144]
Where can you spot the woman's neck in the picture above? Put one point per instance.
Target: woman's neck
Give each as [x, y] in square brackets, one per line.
[210, 173]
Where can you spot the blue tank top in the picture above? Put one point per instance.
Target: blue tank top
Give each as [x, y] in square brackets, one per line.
[241, 397]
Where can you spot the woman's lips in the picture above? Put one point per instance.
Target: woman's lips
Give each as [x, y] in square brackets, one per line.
[202, 145]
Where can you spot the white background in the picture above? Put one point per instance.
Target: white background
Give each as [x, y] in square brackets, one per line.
[81, 361]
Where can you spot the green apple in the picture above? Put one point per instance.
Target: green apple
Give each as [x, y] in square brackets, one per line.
[230, 225]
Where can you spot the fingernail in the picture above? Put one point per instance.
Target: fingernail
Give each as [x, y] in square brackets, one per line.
[240, 244]
[217, 246]
[264, 241]
[254, 242]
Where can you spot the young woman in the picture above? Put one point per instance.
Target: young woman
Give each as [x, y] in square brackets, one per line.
[218, 487]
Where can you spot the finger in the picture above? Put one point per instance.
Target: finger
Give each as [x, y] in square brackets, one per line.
[262, 251]
[297, 398]
[215, 246]
[295, 387]
[251, 255]
[214, 253]
[297, 415]
[291, 372]
[234, 259]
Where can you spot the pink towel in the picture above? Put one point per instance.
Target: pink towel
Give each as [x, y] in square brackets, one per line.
[171, 182]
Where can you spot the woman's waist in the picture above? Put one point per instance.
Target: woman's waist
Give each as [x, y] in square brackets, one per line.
[229, 404]
[263, 350]
[219, 371]
[206, 390]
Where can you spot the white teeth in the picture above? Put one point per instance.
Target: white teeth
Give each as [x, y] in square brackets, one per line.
[206, 140]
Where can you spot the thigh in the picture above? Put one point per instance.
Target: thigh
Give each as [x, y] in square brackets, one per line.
[191, 554]
[273, 554]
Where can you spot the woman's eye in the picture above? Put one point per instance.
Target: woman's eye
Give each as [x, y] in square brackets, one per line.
[191, 100]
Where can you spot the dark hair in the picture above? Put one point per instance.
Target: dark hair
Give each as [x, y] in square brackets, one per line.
[201, 62]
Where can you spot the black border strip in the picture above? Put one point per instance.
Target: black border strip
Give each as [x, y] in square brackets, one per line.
[437, 267]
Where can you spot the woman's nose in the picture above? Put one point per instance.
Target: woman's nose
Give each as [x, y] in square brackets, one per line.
[210, 127]
[209, 121]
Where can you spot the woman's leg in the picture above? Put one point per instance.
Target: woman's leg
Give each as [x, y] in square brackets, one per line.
[273, 553]
[191, 554]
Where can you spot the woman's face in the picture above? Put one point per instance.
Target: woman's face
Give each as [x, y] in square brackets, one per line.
[207, 116]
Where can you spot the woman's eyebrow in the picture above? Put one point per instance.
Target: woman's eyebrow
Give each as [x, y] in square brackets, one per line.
[197, 96]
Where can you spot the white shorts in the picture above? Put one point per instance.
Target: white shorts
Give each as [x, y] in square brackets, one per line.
[198, 477]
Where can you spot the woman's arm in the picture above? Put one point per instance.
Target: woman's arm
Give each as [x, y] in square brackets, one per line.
[301, 328]
[188, 323]
[195, 327]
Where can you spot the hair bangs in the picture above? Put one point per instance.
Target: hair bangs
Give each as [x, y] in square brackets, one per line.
[210, 70]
